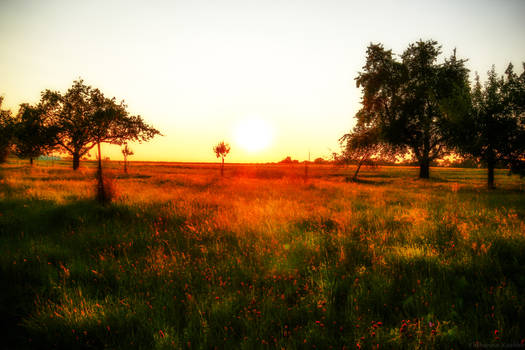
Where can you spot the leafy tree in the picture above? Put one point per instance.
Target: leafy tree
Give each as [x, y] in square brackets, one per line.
[111, 123]
[72, 113]
[221, 150]
[494, 130]
[514, 90]
[6, 131]
[126, 152]
[409, 101]
[85, 118]
[362, 144]
[33, 136]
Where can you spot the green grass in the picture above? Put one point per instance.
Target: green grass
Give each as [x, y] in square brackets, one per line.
[260, 259]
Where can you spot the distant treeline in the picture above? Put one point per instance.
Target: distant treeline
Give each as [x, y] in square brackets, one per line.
[455, 162]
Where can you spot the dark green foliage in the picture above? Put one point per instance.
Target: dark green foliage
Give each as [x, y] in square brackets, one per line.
[363, 143]
[515, 92]
[494, 129]
[6, 131]
[33, 133]
[408, 101]
[84, 117]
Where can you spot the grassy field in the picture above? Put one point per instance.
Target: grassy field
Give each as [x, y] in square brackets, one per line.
[260, 258]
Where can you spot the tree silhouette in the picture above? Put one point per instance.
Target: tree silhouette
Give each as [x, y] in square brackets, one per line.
[363, 143]
[6, 131]
[221, 150]
[71, 114]
[407, 101]
[33, 136]
[514, 89]
[85, 118]
[126, 152]
[494, 130]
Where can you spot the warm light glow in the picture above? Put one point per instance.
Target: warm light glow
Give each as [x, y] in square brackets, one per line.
[195, 69]
[253, 134]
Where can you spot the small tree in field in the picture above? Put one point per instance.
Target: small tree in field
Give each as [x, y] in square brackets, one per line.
[85, 118]
[221, 150]
[494, 130]
[126, 152]
[33, 136]
[6, 131]
[111, 123]
[363, 143]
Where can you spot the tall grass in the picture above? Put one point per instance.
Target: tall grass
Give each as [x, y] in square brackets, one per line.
[260, 259]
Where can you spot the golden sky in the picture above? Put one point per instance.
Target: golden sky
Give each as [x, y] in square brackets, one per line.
[278, 73]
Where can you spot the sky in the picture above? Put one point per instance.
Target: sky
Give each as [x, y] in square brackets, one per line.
[273, 78]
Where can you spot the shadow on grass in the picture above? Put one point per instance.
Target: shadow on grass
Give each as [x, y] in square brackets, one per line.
[30, 227]
[366, 181]
[38, 238]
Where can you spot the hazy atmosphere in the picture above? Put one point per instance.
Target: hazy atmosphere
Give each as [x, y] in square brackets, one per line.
[280, 73]
[262, 174]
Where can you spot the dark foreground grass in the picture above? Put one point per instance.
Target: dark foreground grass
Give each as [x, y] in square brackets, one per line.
[261, 259]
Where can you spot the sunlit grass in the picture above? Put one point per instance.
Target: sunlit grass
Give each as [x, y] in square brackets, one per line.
[260, 258]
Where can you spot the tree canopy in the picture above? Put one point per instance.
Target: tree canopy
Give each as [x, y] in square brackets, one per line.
[6, 131]
[408, 102]
[494, 130]
[221, 150]
[84, 117]
[33, 135]
[363, 143]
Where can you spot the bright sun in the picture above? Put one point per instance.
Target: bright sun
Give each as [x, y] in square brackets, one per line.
[253, 134]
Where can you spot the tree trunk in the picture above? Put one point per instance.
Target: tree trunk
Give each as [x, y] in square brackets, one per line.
[101, 191]
[31, 161]
[222, 167]
[305, 171]
[361, 161]
[99, 158]
[354, 178]
[424, 168]
[490, 175]
[76, 160]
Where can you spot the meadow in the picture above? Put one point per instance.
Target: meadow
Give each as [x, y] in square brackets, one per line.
[262, 258]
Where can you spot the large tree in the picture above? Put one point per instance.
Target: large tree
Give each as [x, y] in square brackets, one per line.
[514, 90]
[6, 131]
[84, 117]
[494, 130]
[409, 100]
[33, 135]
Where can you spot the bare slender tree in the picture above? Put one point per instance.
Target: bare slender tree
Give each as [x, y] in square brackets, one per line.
[126, 152]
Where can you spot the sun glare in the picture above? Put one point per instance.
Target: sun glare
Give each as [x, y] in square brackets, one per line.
[253, 135]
